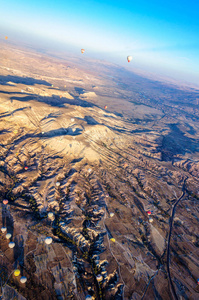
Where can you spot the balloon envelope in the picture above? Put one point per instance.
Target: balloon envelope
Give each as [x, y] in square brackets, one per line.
[82, 50]
[3, 229]
[99, 277]
[112, 240]
[17, 272]
[48, 240]
[111, 215]
[11, 245]
[8, 236]
[50, 215]
[129, 58]
[23, 279]
[5, 201]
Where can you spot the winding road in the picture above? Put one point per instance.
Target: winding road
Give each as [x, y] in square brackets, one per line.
[168, 244]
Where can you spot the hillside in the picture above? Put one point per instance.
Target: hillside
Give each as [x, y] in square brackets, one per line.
[110, 177]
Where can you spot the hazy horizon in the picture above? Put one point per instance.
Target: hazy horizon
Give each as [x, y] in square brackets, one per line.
[99, 171]
[162, 38]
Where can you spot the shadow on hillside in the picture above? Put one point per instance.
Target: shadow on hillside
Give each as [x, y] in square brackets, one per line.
[7, 114]
[13, 93]
[70, 131]
[7, 220]
[19, 252]
[141, 130]
[52, 115]
[55, 100]
[61, 131]
[79, 90]
[21, 80]
[76, 160]
[176, 143]
[4, 131]
[90, 120]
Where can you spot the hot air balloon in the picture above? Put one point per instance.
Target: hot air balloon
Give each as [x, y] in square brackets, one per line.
[50, 215]
[112, 240]
[105, 107]
[11, 245]
[5, 201]
[6, 37]
[111, 214]
[82, 50]
[8, 236]
[57, 183]
[48, 240]
[26, 168]
[129, 58]
[149, 212]
[17, 272]
[150, 220]
[23, 279]
[3, 229]
[72, 120]
[99, 278]
[88, 297]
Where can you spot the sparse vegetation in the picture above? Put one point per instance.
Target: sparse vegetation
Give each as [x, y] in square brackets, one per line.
[110, 188]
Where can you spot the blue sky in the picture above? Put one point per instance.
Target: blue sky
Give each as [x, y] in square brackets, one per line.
[162, 36]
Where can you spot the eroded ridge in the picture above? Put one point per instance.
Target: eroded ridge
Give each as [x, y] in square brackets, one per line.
[105, 242]
[88, 194]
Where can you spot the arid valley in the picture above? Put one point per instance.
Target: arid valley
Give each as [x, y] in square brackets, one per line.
[114, 157]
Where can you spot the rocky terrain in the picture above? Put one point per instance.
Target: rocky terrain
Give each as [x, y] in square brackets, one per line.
[122, 182]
